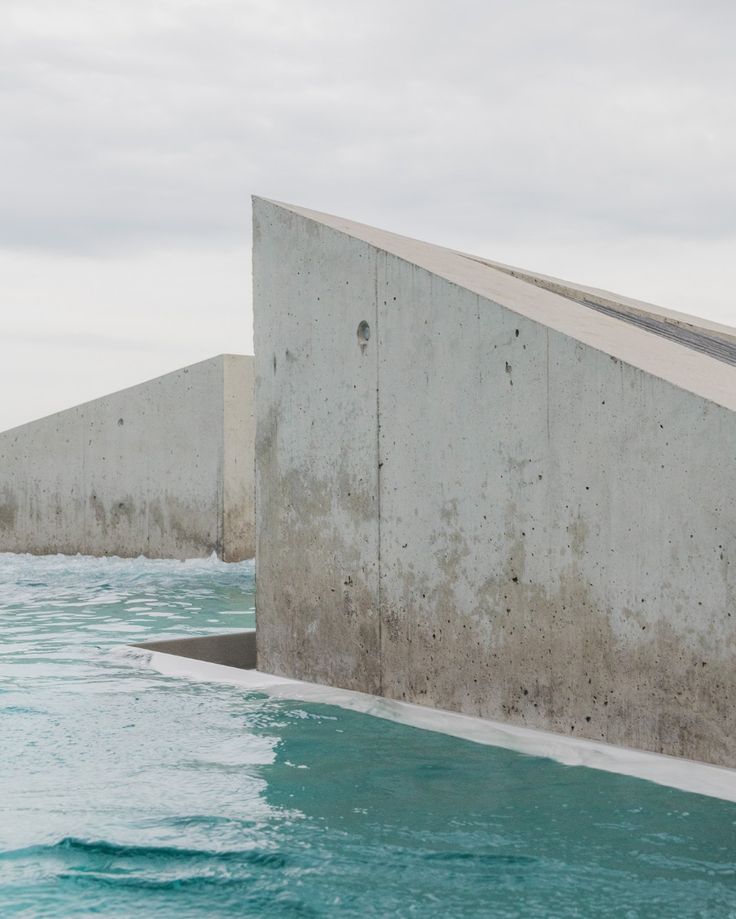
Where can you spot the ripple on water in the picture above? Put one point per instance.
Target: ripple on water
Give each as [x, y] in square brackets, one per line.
[126, 792]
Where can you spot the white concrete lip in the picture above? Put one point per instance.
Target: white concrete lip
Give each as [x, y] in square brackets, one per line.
[673, 772]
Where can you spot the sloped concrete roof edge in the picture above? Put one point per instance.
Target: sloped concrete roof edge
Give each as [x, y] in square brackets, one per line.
[125, 389]
[679, 365]
[599, 295]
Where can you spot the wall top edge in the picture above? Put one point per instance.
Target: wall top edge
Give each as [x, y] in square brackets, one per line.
[550, 302]
[197, 365]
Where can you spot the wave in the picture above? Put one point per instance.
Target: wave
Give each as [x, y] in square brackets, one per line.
[102, 850]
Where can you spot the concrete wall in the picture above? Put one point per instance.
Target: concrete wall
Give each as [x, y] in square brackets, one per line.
[163, 469]
[503, 503]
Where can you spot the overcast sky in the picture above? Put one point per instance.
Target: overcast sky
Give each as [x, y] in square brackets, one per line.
[591, 140]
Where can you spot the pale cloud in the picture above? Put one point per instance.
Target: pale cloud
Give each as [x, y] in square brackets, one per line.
[583, 138]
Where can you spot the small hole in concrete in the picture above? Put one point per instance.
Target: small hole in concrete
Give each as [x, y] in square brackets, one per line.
[364, 332]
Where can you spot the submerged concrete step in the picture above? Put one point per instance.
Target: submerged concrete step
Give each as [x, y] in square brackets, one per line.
[233, 649]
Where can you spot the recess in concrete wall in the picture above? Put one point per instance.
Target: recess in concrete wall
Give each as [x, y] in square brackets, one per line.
[163, 469]
[492, 492]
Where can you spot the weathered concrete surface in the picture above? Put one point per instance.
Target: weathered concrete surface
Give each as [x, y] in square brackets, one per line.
[163, 469]
[317, 462]
[238, 459]
[505, 503]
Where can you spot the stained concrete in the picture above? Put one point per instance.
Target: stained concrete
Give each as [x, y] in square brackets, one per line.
[504, 503]
[162, 469]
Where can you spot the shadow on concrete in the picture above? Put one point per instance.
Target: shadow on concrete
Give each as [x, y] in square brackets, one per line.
[234, 649]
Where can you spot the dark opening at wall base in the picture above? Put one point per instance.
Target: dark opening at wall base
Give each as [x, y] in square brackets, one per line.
[234, 649]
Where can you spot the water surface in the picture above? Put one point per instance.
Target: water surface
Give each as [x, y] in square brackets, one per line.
[128, 793]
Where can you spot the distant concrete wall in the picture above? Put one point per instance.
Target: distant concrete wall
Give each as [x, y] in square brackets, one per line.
[503, 503]
[163, 469]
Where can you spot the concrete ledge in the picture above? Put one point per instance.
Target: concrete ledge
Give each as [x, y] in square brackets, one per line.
[673, 772]
[234, 649]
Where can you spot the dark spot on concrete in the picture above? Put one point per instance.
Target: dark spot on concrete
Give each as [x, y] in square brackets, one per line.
[8, 512]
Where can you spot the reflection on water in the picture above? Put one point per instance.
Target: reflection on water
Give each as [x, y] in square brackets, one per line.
[128, 793]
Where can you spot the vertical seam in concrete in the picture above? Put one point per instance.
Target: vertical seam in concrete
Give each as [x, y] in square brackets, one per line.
[148, 502]
[480, 362]
[379, 257]
[548, 471]
[85, 500]
[149, 496]
[547, 359]
[220, 534]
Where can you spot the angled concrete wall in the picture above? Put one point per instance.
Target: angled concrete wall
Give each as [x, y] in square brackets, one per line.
[163, 469]
[505, 502]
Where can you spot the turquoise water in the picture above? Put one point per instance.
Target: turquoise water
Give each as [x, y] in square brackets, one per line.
[125, 793]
